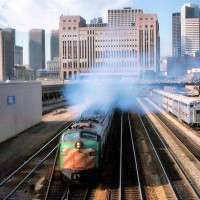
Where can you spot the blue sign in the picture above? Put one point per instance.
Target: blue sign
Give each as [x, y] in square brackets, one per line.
[10, 100]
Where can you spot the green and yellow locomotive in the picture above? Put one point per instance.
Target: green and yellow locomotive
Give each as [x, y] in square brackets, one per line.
[82, 146]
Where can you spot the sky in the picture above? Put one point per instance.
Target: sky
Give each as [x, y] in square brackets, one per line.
[23, 15]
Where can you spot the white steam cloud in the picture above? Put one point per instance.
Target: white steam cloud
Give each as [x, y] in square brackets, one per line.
[100, 93]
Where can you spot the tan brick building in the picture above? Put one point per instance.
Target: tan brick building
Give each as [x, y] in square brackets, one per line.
[148, 47]
[105, 50]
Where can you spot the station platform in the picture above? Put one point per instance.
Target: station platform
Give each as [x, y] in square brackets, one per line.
[49, 107]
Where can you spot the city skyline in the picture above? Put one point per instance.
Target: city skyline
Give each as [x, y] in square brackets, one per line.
[25, 15]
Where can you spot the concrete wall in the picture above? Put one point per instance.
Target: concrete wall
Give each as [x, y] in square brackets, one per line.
[20, 107]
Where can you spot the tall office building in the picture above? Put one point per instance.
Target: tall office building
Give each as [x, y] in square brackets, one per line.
[37, 49]
[148, 45]
[176, 34]
[7, 46]
[54, 44]
[107, 50]
[123, 17]
[18, 55]
[190, 29]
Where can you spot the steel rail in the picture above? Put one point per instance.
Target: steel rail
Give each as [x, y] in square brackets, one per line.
[196, 145]
[161, 164]
[27, 161]
[11, 193]
[53, 168]
[195, 193]
[66, 195]
[135, 158]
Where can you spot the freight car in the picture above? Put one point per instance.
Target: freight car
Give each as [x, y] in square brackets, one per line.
[82, 146]
[187, 109]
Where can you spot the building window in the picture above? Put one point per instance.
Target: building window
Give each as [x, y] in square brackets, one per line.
[64, 75]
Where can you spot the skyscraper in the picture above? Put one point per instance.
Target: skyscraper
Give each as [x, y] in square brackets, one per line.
[176, 34]
[7, 46]
[18, 55]
[37, 49]
[190, 31]
[123, 17]
[54, 44]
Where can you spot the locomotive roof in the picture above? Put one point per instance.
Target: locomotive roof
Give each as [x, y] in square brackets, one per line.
[91, 120]
[179, 97]
[93, 124]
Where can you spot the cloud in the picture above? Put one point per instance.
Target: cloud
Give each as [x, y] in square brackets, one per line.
[24, 15]
[27, 14]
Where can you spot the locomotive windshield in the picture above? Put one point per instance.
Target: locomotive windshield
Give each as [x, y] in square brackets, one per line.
[83, 135]
[88, 136]
[71, 136]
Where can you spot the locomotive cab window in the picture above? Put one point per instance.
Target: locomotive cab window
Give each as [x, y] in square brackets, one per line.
[88, 136]
[71, 136]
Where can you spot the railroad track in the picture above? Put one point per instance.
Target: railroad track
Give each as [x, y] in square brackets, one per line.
[129, 176]
[17, 184]
[130, 184]
[78, 193]
[154, 181]
[133, 175]
[189, 144]
[55, 188]
[180, 185]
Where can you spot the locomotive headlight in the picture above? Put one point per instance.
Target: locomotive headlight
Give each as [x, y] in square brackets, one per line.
[78, 145]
